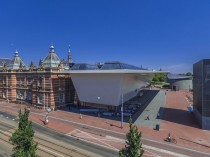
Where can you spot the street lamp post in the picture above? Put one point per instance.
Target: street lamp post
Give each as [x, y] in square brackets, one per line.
[98, 111]
[47, 101]
[122, 113]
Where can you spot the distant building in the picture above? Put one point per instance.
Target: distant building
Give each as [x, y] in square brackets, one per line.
[179, 82]
[201, 92]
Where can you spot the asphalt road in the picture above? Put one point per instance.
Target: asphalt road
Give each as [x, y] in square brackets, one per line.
[76, 142]
[49, 133]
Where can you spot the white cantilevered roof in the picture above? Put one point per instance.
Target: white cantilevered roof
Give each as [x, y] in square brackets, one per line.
[107, 86]
[114, 71]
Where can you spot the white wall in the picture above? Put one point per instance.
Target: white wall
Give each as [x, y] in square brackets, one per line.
[133, 83]
[107, 88]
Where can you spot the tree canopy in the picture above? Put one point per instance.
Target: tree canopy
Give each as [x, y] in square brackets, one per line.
[186, 74]
[22, 138]
[159, 77]
[133, 146]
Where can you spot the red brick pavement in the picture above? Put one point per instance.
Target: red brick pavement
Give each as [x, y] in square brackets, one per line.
[181, 123]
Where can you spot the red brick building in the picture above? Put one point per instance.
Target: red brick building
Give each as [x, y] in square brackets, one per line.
[41, 86]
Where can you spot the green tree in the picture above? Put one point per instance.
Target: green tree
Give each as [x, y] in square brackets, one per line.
[155, 79]
[22, 138]
[159, 77]
[133, 146]
[188, 74]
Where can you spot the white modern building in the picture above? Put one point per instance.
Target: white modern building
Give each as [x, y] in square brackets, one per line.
[110, 85]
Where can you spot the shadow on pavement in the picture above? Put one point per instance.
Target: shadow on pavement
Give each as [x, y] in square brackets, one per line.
[178, 116]
[143, 100]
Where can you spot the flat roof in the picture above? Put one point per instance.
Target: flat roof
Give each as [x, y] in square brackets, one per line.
[175, 76]
[114, 71]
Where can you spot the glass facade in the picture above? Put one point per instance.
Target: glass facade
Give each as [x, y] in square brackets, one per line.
[105, 66]
[118, 65]
[201, 91]
[206, 88]
[84, 66]
[197, 86]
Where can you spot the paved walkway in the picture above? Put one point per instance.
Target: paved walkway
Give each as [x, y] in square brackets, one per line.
[149, 117]
[182, 124]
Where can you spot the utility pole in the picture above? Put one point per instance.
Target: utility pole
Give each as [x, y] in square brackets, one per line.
[122, 112]
[47, 101]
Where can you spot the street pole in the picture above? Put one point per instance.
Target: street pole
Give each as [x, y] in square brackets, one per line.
[98, 109]
[122, 113]
[47, 100]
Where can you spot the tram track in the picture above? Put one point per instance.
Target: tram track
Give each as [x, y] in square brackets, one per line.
[77, 146]
[45, 147]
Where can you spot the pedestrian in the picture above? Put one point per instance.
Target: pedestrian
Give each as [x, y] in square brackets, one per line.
[46, 119]
[158, 115]
[169, 136]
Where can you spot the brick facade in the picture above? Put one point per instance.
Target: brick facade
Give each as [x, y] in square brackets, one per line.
[42, 86]
[42, 89]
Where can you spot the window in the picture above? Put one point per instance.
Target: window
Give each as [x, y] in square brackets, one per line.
[46, 100]
[29, 81]
[62, 84]
[68, 97]
[20, 95]
[39, 82]
[19, 81]
[61, 98]
[4, 80]
[4, 94]
[40, 99]
[28, 95]
[17, 95]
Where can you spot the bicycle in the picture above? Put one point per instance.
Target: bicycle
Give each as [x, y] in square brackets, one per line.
[171, 139]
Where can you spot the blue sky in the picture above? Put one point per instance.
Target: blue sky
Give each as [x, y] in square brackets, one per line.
[167, 34]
